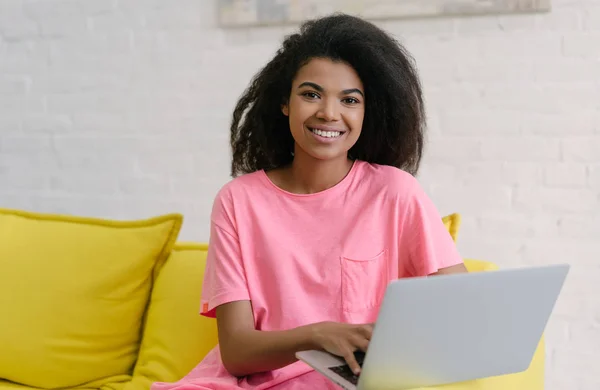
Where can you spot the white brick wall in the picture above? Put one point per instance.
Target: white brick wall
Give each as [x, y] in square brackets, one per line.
[120, 108]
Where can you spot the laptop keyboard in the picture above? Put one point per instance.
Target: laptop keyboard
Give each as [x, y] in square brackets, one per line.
[344, 370]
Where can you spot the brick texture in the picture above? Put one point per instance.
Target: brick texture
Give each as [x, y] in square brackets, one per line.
[120, 108]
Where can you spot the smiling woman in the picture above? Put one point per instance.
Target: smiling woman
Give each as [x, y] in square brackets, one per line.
[325, 109]
[323, 211]
[344, 68]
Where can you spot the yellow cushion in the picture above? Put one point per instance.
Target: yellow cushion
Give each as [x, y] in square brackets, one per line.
[176, 337]
[4, 385]
[73, 293]
[452, 223]
[479, 265]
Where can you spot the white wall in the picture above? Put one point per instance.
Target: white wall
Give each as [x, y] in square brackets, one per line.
[121, 109]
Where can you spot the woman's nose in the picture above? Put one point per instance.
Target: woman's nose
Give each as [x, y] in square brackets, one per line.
[329, 111]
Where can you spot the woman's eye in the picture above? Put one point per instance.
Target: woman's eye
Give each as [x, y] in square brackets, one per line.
[350, 100]
[310, 95]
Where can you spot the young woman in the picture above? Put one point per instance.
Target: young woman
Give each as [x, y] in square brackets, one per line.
[323, 210]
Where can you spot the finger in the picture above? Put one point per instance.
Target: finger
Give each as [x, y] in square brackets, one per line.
[366, 331]
[362, 343]
[351, 361]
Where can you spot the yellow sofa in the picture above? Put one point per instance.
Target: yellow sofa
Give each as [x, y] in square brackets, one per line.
[94, 304]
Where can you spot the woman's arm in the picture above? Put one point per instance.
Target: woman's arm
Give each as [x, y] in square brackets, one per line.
[245, 350]
[453, 269]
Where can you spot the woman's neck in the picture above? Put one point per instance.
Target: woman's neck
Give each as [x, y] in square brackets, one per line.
[308, 175]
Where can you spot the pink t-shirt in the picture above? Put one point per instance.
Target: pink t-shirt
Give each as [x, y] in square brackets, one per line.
[302, 259]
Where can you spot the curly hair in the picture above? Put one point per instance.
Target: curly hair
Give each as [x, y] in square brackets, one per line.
[394, 121]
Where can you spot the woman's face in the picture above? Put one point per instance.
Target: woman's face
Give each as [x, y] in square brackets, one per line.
[325, 109]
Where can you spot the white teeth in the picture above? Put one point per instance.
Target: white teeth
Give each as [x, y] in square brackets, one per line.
[326, 134]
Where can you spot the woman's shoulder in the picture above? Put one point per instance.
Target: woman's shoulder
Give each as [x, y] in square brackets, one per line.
[242, 183]
[240, 188]
[392, 180]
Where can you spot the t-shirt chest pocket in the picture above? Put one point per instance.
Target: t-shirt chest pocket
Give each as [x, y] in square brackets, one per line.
[364, 281]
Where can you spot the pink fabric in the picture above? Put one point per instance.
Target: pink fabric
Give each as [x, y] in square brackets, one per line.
[302, 259]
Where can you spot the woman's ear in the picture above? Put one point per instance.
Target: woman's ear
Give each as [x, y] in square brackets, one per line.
[285, 109]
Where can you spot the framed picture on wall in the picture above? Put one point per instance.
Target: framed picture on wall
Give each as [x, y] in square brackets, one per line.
[273, 12]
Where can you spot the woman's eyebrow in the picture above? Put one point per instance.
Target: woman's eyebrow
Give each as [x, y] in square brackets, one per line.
[312, 85]
[320, 89]
[353, 90]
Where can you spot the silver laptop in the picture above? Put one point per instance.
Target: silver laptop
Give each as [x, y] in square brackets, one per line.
[452, 328]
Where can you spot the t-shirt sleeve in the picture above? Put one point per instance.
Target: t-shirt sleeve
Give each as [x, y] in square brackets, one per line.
[224, 275]
[426, 245]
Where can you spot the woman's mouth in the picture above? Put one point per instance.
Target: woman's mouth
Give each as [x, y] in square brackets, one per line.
[326, 133]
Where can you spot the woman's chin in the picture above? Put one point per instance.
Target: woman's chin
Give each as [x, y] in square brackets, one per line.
[326, 155]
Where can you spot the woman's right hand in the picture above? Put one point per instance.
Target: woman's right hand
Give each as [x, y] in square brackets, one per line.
[343, 339]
